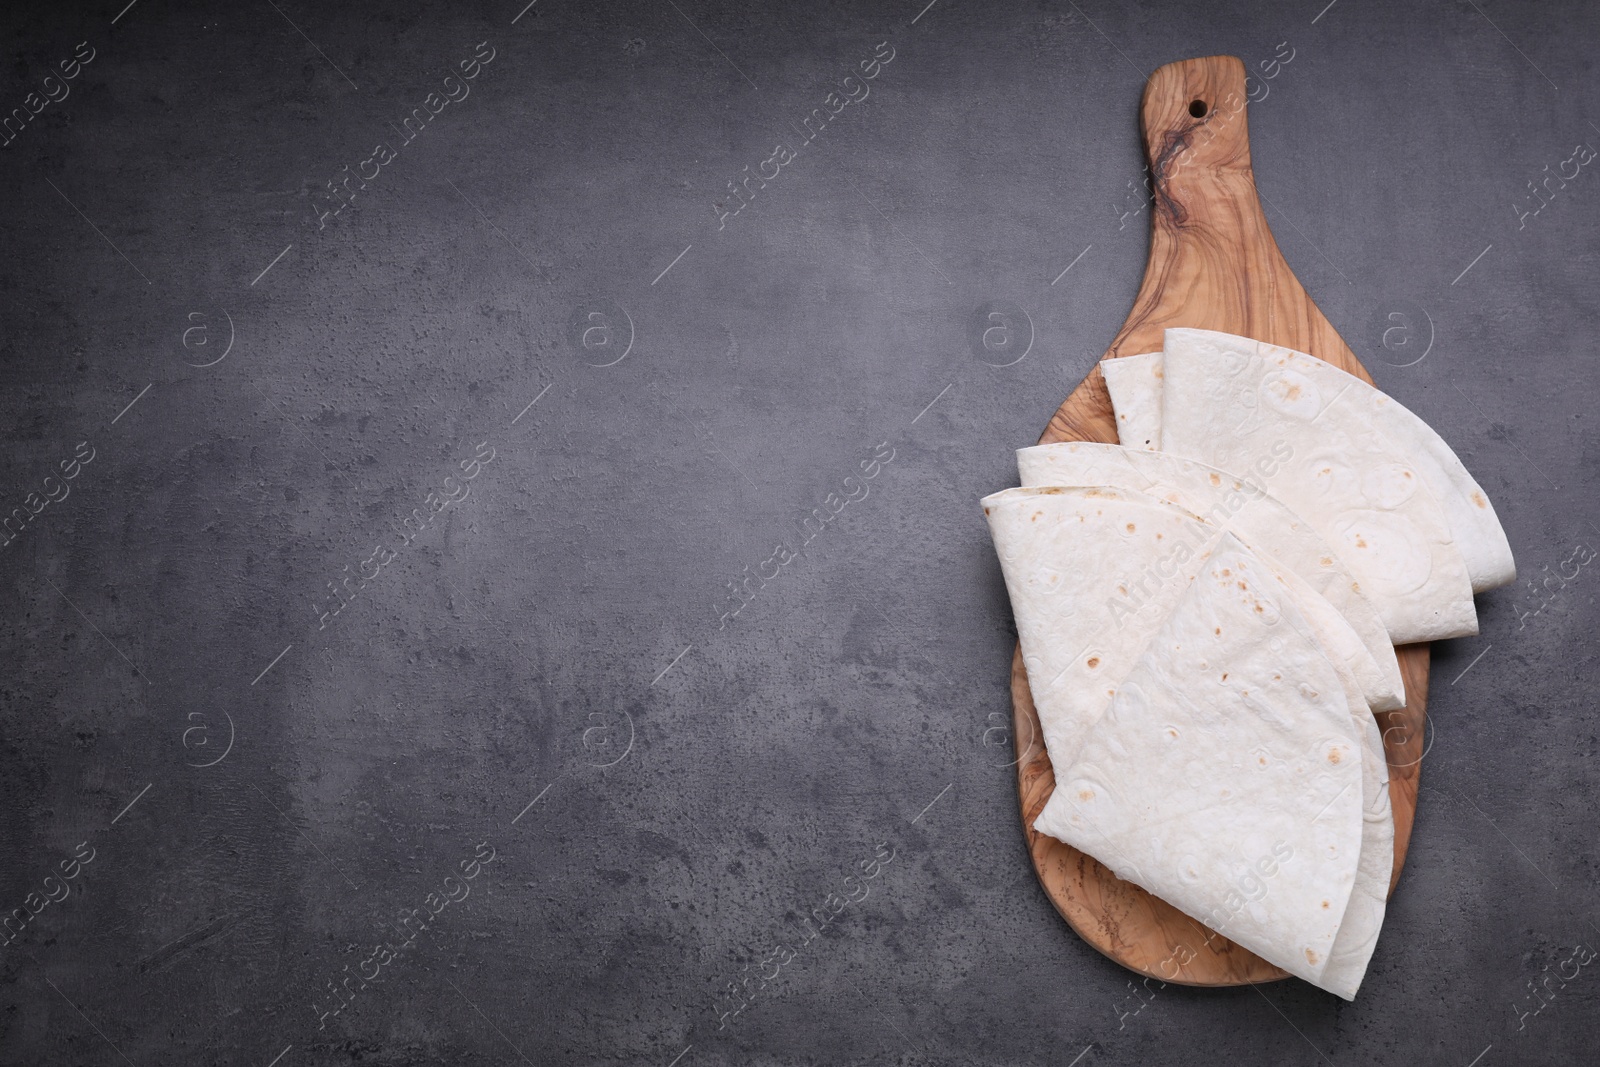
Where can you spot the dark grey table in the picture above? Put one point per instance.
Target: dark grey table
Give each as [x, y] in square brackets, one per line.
[478, 584]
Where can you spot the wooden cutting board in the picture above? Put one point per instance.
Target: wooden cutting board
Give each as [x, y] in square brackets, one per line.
[1213, 265]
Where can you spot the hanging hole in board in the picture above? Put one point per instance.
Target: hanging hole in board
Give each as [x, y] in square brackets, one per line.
[1197, 108]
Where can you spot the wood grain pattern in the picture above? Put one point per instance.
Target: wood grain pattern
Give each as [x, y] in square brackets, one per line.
[1213, 265]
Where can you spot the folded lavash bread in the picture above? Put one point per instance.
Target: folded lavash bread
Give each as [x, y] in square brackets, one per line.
[1358, 485]
[1339, 643]
[1226, 775]
[1369, 893]
[1134, 383]
[1300, 385]
[1241, 505]
[1369, 896]
[1135, 386]
[1092, 572]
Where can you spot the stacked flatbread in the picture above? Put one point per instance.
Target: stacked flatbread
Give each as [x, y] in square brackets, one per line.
[1208, 614]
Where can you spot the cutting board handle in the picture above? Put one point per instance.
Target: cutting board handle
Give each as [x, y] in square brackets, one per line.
[1197, 137]
[1213, 262]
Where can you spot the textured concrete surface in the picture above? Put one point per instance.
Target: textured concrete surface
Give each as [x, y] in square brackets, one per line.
[520, 766]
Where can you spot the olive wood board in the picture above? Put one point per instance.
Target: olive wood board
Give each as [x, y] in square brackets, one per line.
[1213, 265]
